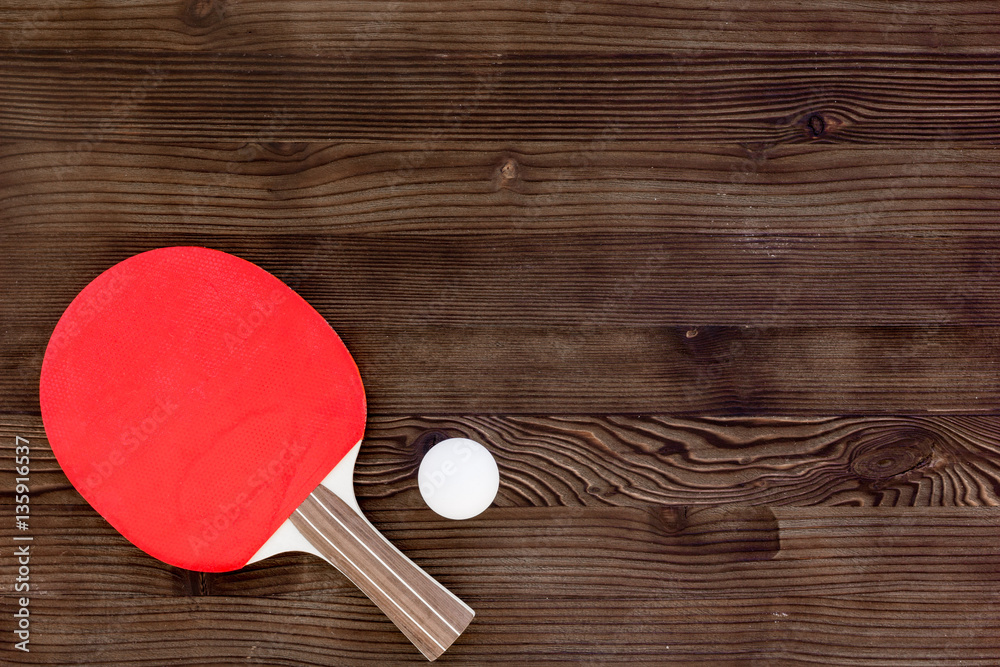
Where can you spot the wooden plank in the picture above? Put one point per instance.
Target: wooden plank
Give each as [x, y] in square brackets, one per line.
[590, 553]
[848, 586]
[308, 27]
[689, 631]
[92, 96]
[613, 369]
[261, 189]
[610, 369]
[777, 629]
[637, 461]
[583, 281]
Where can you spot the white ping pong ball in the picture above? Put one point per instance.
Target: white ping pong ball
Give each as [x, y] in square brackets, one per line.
[458, 478]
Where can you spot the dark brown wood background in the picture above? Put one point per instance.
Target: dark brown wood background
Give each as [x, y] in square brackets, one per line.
[717, 282]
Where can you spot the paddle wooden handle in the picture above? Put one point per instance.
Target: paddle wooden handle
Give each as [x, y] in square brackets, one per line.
[423, 609]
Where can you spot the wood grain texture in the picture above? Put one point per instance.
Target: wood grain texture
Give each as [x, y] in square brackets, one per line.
[680, 370]
[597, 322]
[582, 280]
[633, 461]
[308, 27]
[778, 629]
[91, 96]
[662, 553]
[717, 282]
[847, 586]
[642, 461]
[260, 188]
[735, 552]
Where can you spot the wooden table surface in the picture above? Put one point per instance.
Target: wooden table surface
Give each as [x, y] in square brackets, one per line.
[716, 282]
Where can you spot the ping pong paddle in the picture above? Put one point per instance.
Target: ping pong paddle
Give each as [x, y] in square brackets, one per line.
[213, 417]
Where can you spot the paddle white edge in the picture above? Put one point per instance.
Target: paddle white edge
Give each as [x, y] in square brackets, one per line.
[425, 611]
[341, 482]
[288, 538]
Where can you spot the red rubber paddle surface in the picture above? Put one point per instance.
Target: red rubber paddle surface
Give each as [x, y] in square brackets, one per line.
[195, 401]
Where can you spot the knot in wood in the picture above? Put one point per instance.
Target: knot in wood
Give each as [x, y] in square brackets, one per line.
[284, 148]
[822, 124]
[509, 169]
[426, 440]
[203, 13]
[673, 519]
[816, 125]
[890, 452]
